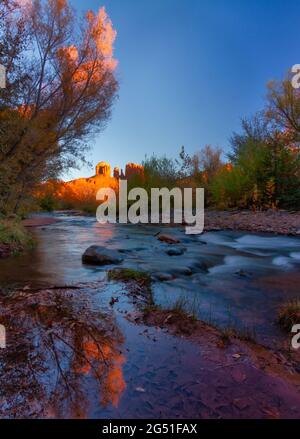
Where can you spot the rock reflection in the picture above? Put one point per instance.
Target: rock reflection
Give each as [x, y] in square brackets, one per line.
[62, 351]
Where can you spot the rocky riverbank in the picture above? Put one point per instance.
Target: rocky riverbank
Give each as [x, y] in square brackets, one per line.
[131, 358]
[128, 306]
[279, 222]
[270, 221]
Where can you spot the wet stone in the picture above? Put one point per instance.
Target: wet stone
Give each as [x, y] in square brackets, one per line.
[163, 276]
[186, 271]
[243, 273]
[175, 251]
[98, 255]
[169, 239]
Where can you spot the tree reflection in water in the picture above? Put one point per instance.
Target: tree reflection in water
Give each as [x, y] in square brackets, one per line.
[60, 348]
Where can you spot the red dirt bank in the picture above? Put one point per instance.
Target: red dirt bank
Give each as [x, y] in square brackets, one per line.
[278, 222]
[242, 379]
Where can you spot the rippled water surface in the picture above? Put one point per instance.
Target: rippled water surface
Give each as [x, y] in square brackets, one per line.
[74, 355]
[230, 278]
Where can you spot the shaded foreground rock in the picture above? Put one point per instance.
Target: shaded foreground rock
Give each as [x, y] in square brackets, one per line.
[5, 250]
[186, 271]
[175, 251]
[163, 276]
[97, 255]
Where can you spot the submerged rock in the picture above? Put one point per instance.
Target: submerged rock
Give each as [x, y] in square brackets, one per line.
[98, 255]
[169, 239]
[125, 250]
[175, 251]
[164, 276]
[186, 271]
[243, 273]
[203, 266]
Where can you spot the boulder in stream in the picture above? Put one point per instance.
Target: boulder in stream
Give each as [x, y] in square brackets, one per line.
[163, 276]
[186, 271]
[98, 255]
[169, 239]
[175, 251]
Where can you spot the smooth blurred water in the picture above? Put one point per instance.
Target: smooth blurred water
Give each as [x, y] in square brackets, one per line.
[229, 278]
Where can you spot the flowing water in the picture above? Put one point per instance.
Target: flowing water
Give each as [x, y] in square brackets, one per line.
[228, 278]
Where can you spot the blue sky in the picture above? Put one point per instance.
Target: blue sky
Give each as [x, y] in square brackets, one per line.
[189, 70]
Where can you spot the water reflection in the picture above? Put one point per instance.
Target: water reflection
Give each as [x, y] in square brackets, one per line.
[62, 352]
[220, 274]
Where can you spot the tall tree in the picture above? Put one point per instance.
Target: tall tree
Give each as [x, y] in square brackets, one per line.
[283, 108]
[61, 87]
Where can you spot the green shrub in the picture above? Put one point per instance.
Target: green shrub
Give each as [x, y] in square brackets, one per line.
[289, 314]
[13, 234]
[48, 203]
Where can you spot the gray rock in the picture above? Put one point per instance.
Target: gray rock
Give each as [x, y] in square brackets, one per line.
[125, 250]
[175, 251]
[98, 255]
[164, 276]
[203, 266]
[243, 273]
[186, 271]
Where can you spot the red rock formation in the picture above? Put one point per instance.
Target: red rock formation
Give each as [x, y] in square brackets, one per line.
[103, 169]
[116, 172]
[82, 191]
[133, 169]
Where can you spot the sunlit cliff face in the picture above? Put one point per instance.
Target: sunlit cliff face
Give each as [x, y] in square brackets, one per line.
[82, 191]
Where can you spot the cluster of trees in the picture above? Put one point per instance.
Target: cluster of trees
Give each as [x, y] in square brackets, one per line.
[262, 169]
[60, 89]
[79, 194]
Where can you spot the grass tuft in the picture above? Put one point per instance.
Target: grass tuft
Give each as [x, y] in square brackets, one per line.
[127, 274]
[139, 283]
[289, 314]
[15, 236]
[183, 307]
[244, 334]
